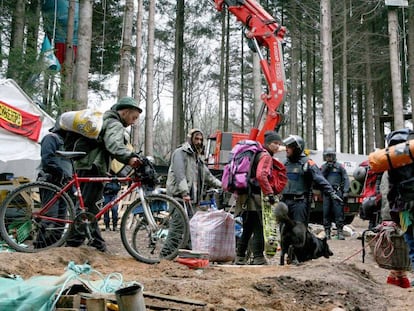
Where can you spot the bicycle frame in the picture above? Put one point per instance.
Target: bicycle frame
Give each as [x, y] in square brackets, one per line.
[77, 181]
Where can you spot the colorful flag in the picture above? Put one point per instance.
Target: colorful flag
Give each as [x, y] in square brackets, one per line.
[20, 122]
[49, 56]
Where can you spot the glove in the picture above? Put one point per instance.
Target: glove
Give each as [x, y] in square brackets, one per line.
[336, 197]
[271, 199]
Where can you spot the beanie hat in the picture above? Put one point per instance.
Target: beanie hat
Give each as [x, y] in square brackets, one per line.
[127, 102]
[271, 136]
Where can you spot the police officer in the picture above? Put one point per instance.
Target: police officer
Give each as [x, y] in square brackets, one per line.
[302, 172]
[336, 175]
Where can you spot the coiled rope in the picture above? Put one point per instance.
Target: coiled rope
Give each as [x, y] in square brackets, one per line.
[110, 283]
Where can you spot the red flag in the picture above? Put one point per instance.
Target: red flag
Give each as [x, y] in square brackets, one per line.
[19, 121]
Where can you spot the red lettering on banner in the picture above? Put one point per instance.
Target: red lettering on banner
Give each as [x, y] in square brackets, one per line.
[19, 121]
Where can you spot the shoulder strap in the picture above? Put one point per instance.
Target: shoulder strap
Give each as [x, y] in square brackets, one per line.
[253, 165]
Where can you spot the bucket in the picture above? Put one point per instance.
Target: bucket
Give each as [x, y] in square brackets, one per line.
[131, 298]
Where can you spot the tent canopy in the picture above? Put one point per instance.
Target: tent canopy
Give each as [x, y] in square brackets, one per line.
[19, 153]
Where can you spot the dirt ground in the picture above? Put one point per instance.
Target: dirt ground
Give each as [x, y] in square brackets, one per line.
[341, 282]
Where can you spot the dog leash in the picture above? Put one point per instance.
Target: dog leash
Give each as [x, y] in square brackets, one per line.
[362, 249]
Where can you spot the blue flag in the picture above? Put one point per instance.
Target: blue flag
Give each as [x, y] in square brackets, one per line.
[49, 56]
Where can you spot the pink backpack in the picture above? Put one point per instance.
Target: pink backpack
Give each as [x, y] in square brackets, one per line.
[237, 173]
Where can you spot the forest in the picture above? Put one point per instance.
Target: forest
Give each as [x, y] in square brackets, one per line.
[347, 66]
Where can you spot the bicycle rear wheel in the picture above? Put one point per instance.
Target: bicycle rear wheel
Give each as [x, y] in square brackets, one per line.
[150, 245]
[25, 228]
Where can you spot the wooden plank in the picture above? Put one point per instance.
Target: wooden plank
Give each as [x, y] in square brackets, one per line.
[174, 298]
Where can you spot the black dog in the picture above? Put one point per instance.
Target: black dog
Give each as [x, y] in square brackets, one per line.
[297, 241]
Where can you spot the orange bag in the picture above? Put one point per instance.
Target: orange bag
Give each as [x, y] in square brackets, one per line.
[392, 157]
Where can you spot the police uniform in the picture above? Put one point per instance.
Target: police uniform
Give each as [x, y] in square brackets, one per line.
[297, 195]
[336, 175]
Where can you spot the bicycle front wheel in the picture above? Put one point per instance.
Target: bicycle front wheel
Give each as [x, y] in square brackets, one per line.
[148, 243]
[27, 226]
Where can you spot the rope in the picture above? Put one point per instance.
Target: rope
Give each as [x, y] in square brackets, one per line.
[388, 249]
[110, 283]
[362, 249]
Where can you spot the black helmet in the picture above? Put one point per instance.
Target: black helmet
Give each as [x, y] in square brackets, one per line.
[399, 136]
[329, 152]
[296, 142]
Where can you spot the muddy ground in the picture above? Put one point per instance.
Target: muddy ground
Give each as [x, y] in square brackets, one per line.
[341, 281]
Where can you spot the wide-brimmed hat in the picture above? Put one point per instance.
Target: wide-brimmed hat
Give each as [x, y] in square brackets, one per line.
[127, 102]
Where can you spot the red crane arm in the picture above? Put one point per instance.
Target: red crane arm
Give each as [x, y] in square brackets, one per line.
[262, 28]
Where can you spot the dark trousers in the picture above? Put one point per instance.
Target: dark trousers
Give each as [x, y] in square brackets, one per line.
[332, 211]
[92, 193]
[299, 210]
[252, 225]
[114, 210]
[46, 235]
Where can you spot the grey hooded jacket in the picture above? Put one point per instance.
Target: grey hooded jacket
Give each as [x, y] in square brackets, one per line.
[188, 174]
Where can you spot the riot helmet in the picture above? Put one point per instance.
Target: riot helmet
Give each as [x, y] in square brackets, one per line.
[329, 153]
[296, 142]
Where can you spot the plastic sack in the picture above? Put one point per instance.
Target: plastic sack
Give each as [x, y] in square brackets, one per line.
[86, 122]
[213, 232]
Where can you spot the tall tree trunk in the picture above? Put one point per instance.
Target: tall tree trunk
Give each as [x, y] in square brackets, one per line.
[293, 113]
[227, 75]
[257, 85]
[17, 38]
[369, 98]
[327, 76]
[411, 57]
[344, 132]
[360, 118]
[178, 111]
[83, 55]
[137, 74]
[126, 48]
[395, 69]
[309, 107]
[149, 111]
[242, 82]
[67, 88]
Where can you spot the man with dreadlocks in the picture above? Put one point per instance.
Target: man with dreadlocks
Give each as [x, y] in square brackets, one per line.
[188, 175]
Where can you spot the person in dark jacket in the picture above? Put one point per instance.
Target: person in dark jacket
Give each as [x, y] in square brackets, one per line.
[337, 176]
[97, 162]
[302, 172]
[249, 206]
[56, 170]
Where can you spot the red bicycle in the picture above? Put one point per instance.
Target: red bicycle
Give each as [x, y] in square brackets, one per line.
[39, 215]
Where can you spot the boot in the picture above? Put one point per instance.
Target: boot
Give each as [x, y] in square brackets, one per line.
[240, 260]
[115, 228]
[341, 234]
[328, 234]
[107, 228]
[259, 261]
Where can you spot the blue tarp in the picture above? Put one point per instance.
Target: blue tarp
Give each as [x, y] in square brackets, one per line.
[39, 293]
[36, 293]
[56, 20]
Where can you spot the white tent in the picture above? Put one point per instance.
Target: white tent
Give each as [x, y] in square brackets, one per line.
[18, 154]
